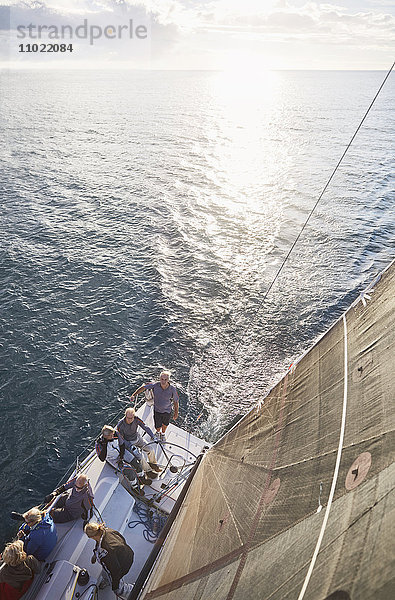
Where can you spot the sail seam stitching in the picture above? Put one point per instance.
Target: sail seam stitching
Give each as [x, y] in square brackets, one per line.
[375, 438]
[334, 540]
[258, 513]
[336, 471]
[228, 506]
[227, 559]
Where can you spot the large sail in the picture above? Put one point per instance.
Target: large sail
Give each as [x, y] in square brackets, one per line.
[297, 500]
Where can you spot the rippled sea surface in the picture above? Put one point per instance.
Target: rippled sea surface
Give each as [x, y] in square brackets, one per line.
[143, 216]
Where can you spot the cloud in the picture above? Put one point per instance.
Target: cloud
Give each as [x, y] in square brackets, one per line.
[251, 16]
[99, 32]
[314, 20]
[194, 33]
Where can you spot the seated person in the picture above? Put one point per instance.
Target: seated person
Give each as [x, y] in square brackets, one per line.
[127, 428]
[75, 501]
[38, 533]
[116, 452]
[17, 571]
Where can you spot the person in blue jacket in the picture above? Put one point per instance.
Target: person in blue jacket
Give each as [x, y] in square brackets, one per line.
[38, 533]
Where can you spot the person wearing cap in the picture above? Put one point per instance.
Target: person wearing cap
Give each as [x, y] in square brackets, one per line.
[164, 395]
[38, 533]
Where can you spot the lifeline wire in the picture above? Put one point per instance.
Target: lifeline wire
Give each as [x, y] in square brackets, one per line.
[304, 225]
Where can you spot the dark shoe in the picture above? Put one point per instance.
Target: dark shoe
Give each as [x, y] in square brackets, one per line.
[151, 475]
[17, 516]
[155, 467]
[145, 480]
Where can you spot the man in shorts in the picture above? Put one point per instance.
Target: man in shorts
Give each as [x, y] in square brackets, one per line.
[165, 394]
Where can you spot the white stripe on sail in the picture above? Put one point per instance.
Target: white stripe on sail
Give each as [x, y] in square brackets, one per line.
[336, 471]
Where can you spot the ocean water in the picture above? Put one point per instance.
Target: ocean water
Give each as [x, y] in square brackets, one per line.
[143, 216]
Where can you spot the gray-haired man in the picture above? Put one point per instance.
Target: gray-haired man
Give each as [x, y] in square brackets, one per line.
[127, 429]
[164, 394]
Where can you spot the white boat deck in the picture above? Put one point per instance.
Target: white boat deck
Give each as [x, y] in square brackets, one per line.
[117, 507]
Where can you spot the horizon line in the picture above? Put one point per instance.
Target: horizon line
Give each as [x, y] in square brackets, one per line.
[108, 66]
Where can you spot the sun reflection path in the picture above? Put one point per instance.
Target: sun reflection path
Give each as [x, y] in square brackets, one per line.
[245, 163]
[244, 158]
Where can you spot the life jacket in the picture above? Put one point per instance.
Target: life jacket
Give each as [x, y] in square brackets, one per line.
[101, 448]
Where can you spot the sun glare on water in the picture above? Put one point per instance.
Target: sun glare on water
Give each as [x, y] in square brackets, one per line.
[243, 162]
[247, 97]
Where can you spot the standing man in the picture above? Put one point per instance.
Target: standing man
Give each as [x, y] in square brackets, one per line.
[104, 444]
[164, 394]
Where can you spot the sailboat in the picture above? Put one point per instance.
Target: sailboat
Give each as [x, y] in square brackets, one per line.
[141, 513]
[296, 501]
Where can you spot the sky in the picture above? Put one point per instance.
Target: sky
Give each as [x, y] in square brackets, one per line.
[202, 34]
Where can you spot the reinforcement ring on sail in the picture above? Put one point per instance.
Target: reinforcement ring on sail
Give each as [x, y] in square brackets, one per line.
[358, 470]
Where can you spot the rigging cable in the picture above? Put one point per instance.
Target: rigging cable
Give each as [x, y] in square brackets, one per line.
[346, 375]
[255, 313]
[257, 310]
